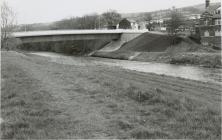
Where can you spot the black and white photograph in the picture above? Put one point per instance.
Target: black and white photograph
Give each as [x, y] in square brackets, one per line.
[111, 69]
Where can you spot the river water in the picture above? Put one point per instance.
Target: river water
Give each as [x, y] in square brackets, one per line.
[189, 72]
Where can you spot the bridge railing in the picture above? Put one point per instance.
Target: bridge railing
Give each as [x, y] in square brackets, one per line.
[72, 32]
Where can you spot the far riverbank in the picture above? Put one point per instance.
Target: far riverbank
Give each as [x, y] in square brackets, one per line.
[209, 60]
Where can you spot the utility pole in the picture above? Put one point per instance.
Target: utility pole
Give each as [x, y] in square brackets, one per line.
[99, 21]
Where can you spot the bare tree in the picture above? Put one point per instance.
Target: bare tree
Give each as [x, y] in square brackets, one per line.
[176, 20]
[148, 17]
[111, 18]
[7, 23]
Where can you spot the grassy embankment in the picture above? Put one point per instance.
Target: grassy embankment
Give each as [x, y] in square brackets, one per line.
[43, 99]
[157, 48]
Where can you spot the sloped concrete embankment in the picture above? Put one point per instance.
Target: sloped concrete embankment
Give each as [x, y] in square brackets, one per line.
[117, 44]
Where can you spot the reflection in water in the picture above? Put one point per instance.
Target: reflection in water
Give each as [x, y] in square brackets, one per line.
[189, 72]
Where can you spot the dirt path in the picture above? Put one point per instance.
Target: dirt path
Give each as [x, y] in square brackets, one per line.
[106, 102]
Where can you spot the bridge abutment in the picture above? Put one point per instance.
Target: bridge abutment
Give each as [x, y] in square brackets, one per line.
[116, 44]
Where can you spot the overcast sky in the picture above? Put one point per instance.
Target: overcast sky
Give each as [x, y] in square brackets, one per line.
[36, 11]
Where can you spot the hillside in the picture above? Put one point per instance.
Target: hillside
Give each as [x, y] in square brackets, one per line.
[164, 13]
[149, 42]
[34, 27]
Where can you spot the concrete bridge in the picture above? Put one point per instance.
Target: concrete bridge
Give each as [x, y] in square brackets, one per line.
[65, 35]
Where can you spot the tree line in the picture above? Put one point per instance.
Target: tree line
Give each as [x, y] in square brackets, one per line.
[90, 21]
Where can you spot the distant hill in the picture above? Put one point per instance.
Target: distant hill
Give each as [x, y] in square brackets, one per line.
[34, 27]
[196, 9]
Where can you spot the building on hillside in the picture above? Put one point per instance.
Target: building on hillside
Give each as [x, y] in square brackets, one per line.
[128, 24]
[142, 25]
[210, 25]
[158, 24]
[188, 28]
[193, 16]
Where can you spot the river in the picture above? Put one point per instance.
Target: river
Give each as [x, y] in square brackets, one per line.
[189, 72]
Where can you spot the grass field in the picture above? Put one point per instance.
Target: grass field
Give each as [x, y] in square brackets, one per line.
[43, 99]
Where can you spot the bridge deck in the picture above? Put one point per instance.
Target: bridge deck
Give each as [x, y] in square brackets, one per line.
[72, 32]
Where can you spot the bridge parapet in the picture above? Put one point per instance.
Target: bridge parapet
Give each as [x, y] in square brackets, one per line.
[62, 35]
[70, 32]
